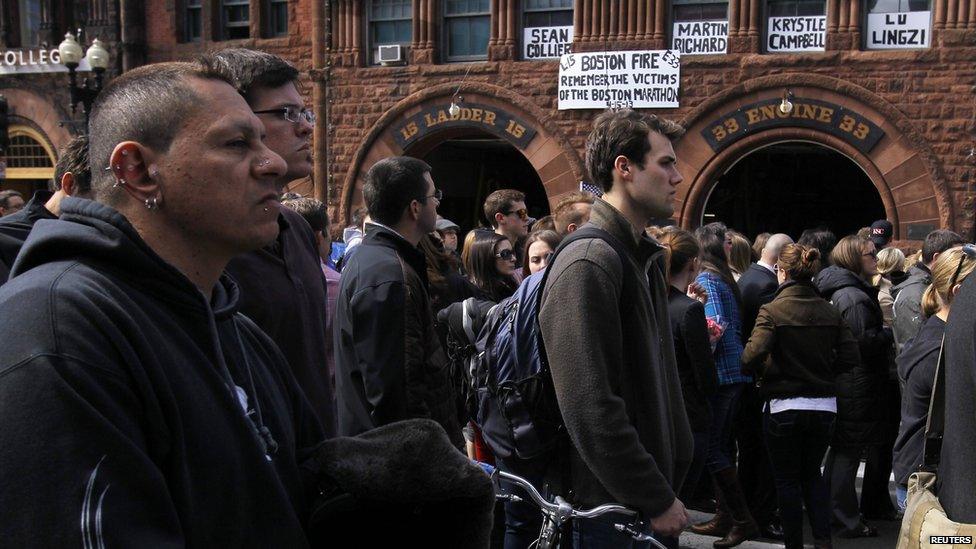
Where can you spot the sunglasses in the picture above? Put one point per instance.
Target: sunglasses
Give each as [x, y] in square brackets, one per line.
[967, 251]
[507, 255]
[291, 114]
[522, 213]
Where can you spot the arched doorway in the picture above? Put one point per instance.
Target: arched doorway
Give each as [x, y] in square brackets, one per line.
[788, 187]
[828, 112]
[469, 166]
[504, 125]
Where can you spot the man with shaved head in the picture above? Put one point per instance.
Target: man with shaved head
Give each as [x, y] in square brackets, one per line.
[140, 407]
[757, 286]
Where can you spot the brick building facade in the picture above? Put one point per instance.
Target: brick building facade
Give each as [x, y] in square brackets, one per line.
[810, 166]
[919, 173]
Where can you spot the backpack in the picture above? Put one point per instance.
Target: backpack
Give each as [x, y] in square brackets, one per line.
[511, 394]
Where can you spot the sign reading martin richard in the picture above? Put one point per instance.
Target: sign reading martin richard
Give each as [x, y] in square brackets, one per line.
[834, 119]
[636, 79]
[700, 37]
[483, 117]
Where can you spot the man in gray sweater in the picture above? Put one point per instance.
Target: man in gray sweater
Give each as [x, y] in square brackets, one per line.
[605, 326]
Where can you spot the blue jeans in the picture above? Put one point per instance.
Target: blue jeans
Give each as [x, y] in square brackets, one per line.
[901, 492]
[796, 441]
[723, 405]
[599, 533]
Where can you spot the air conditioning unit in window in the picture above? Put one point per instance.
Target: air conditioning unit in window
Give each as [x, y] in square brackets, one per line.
[392, 54]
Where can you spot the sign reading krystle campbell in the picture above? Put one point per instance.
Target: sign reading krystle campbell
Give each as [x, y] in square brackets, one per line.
[806, 33]
[646, 79]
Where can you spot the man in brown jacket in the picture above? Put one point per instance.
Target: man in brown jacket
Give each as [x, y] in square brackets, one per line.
[608, 338]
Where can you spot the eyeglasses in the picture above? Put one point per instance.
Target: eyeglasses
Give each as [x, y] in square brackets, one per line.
[522, 213]
[506, 254]
[967, 251]
[438, 194]
[292, 114]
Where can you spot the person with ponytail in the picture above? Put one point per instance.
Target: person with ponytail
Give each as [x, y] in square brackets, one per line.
[798, 347]
[917, 361]
[692, 350]
[733, 521]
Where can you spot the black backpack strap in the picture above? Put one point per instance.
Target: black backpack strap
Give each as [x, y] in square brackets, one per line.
[935, 424]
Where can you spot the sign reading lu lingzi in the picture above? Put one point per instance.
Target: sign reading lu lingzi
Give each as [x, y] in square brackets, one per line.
[491, 119]
[836, 120]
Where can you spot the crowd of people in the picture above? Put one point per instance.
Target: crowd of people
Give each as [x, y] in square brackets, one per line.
[180, 337]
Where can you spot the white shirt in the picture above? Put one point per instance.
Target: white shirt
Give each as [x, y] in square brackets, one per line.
[768, 267]
[827, 404]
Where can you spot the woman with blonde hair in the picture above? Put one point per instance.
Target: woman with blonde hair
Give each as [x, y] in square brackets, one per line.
[740, 255]
[799, 346]
[918, 360]
[891, 262]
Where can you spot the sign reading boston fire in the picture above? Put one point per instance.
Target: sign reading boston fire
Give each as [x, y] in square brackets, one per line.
[796, 33]
[899, 30]
[636, 79]
[546, 42]
[836, 120]
[700, 37]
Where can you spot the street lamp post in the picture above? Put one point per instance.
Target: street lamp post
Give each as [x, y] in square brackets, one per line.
[71, 55]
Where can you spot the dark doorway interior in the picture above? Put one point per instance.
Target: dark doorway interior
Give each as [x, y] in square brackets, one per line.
[468, 169]
[789, 187]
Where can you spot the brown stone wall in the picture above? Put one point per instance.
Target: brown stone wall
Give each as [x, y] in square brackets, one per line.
[933, 89]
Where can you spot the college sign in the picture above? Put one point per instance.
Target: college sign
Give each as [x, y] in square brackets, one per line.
[35, 61]
[834, 119]
[470, 115]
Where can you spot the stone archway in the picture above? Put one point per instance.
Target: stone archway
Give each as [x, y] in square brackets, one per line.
[38, 111]
[890, 150]
[421, 121]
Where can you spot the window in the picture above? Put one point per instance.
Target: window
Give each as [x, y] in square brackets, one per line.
[275, 18]
[897, 6]
[192, 21]
[697, 10]
[547, 31]
[30, 160]
[466, 28]
[796, 25]
[548, 13]
[700, 27]
[30, 23]
[235, 18]
[390, 22]
[898, 24]
[796, 8]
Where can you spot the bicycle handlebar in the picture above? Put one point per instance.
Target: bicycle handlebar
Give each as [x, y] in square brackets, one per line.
[565, 511]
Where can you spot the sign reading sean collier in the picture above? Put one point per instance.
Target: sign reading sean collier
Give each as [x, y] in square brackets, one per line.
[647, 79]
[546, 42]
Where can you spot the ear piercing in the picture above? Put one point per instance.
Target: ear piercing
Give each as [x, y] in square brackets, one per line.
[152, 203]
[119, 183]
[154, 172]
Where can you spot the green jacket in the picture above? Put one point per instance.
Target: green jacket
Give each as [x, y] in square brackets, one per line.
[799, 345]
[610, 348]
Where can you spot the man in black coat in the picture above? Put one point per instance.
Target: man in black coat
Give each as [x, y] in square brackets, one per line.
[389, 361]
[757, 286]
[957, 483]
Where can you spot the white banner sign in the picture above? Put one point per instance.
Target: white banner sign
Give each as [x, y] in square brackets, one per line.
[899, 30]
[546, 42]
[35, 61]
[700, 37]
[637, 79]
[796, 33]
